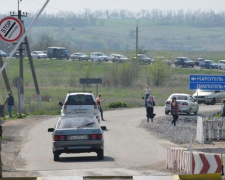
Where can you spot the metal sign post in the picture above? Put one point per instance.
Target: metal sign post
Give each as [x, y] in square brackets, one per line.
[18, 83]
[91, 81]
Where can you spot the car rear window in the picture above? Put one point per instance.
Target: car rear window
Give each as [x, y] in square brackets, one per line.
[180, 97]
[80, 100]
[75, 122]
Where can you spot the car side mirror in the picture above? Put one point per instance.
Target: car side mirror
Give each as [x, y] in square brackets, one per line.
[51, 129]
[60, 104]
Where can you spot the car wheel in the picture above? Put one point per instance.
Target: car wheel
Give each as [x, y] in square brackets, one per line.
[79, 59]
[220, 68]
[100, 154]
[56, 156]
[38, 57]
[166, 112]
[189, 111]
[92, 60]
[195, 113]
[213, 101]
[99, 60]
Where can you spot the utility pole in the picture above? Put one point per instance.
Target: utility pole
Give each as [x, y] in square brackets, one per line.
[5, 77]
[21, 75]
[20, 15]
[136, 41]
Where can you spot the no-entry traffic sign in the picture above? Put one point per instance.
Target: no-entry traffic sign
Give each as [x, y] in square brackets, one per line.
[11, 29]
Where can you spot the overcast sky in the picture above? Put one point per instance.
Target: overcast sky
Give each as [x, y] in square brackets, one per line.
[54, 6]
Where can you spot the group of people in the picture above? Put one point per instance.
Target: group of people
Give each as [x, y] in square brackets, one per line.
[10, 103]
[150, 103]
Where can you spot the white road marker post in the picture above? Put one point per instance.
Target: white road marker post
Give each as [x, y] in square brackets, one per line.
[191, 155]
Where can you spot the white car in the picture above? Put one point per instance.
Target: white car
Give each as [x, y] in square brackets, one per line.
[119, 58]
[79, 56]
[208, 96]
[98, 56]
[38, 55]
[111, 56]
[79, 103]
[221, 64]
[185, 101]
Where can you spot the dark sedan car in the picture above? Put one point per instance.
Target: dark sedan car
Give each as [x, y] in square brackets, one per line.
[209, 64]
[77, 134]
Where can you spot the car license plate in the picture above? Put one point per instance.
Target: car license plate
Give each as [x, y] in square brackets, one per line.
[78, 137]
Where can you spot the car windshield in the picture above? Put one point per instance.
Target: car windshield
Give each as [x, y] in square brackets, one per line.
[199, 90]
[39, 52]
[211, 62]
[186, 59]
[143, 56]
[63, 51]
[179, 97]
[76, 122]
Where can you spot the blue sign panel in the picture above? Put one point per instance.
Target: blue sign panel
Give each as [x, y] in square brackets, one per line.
[207, 82]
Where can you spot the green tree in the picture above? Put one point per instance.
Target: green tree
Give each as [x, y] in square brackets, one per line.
[158, 72]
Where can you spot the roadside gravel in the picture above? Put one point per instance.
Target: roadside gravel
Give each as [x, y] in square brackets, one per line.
[186, 127]
[180, 135]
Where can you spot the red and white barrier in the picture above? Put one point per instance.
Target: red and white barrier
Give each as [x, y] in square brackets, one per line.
[202, 163]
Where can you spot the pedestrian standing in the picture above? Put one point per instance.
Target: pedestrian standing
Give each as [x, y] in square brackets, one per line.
[150, 108]
[174, 111]
[10, 103]
[147, 92]
[99, 105]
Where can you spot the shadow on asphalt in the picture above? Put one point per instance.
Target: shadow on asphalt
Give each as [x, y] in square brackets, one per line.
[84, 159]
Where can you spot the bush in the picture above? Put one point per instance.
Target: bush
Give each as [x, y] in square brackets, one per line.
[117, 105]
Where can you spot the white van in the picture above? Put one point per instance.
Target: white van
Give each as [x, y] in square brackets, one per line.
[79, 103]
[221, 64]
[98, 56]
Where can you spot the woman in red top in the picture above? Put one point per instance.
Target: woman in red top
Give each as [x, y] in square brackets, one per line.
[99, 104]
[174, 110]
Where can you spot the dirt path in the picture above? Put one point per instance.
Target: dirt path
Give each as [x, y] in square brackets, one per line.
[14, 135]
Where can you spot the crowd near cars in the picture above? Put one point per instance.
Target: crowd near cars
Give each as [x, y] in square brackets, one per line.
[78, 129]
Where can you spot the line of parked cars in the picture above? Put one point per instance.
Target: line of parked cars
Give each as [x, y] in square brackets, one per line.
[78, 129]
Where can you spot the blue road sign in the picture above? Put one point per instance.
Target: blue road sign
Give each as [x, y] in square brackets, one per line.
[207, 82]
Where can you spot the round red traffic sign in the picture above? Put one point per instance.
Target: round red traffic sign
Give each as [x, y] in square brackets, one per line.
[11, 29]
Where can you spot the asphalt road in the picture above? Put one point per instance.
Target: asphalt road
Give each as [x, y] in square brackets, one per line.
[129, 149]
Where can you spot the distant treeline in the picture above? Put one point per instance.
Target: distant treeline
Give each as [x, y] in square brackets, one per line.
[153, 17]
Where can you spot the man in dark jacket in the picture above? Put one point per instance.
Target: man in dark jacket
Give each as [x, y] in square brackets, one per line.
[10, 102]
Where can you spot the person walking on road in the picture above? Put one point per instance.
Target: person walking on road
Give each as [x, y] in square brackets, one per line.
[147, 92]
[10, 103]
[149, 108]
[174, 111]
[99, 105]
